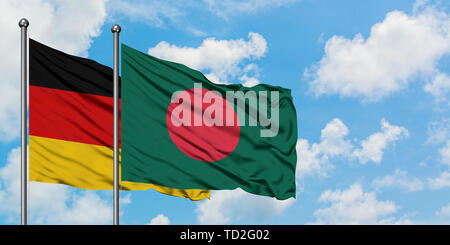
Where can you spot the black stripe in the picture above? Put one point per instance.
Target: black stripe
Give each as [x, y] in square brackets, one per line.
[52, 68]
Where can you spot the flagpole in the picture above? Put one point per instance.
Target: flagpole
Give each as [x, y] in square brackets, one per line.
[116, 30]
[23, 24]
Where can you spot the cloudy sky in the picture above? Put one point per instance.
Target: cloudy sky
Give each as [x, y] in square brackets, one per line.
[370, 81]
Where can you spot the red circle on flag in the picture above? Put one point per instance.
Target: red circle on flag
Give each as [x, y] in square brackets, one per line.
[205, 134]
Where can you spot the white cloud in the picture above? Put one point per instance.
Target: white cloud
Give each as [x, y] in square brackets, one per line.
[151, 12]
[332, 138]
[443, 180]
[385, 62]
[229, 206]
[227, 8]
[160, 219]
[402, 220]
[249, 81]
[10, 183]
[354, 206]
[88, 208]
[178, 13]
[439, 131]
[50, 203]
[419, 5]
[66, 25]
[220, 59]
[439, 86]
[444, 211]
[440, 182]
[315, 158]
[372, 148]
[398, 180]
[445, 153]
[9, 107]
[250, 74]
[310, 160]
[159, 13]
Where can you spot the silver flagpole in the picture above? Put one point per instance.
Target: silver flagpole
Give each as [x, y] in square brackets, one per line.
[116, 30]
[23, 23]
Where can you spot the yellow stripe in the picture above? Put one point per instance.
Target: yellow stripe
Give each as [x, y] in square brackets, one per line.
[86, 166]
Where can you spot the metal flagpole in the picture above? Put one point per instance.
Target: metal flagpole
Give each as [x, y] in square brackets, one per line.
[116, 30]
[23, 23]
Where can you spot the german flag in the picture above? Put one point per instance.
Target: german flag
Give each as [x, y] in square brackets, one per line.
[71, 123]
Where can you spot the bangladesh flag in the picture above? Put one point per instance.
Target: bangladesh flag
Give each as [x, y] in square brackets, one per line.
[182, 131]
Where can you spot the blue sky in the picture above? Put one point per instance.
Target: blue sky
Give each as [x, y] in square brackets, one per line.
[370, 81]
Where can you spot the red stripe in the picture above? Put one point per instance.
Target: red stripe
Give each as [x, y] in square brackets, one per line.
[72, 116]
